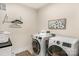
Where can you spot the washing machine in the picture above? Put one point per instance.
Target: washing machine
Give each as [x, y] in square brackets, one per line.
[63, 46]
[38, 43]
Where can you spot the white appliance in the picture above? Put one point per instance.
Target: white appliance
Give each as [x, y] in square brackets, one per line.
[63, 46]
[5, 44]
[38, 43]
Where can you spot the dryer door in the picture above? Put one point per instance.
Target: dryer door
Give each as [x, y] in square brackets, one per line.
[55, 50]
[36, 46]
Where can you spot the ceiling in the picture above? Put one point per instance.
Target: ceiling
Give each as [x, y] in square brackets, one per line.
[35, 5]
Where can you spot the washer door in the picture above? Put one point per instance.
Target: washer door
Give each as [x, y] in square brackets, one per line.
[55, 50]
[36, 46]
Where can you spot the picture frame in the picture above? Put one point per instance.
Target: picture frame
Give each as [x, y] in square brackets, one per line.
[57, 23]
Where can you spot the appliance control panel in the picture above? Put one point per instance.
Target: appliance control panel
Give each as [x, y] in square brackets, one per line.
[58, 42]
[39, 37]
[66, 44]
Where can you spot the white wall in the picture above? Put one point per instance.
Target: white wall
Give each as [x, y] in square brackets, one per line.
[20, 37]
[58, 11]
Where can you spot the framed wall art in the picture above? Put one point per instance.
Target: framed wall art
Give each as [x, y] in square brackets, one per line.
[57, 23]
